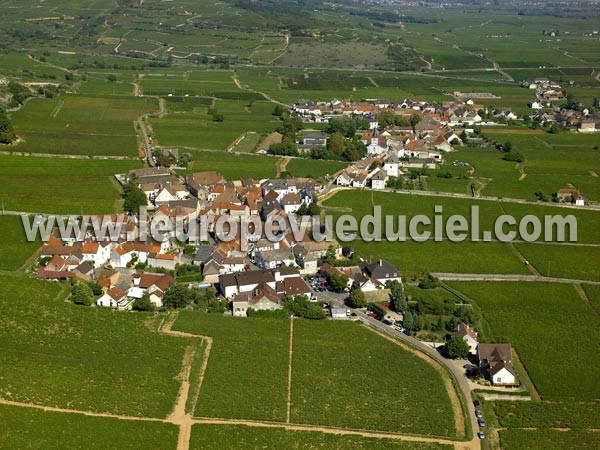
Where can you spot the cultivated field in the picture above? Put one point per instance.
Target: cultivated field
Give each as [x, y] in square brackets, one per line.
[63, 430]
[61, 186]
[217, 437]
[234, 167]
[78, 358]
[332, 386]
[557, 353]
[81, 125]
[246, 377]
[15, 249]
[327, 386]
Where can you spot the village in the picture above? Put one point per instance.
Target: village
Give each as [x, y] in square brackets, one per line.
[250, 275]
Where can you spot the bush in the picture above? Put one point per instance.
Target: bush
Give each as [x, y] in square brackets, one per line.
[356, 299]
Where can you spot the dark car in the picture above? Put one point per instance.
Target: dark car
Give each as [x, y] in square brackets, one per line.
[481, 422]
[476, 403]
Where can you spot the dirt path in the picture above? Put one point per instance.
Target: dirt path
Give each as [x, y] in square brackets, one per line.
[244, 88]
[179, 416]
[329, 430]
[281, 165]
[581, 292]
[543, 142]
[289, 389]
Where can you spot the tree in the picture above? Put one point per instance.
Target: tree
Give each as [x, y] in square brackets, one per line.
[336, 143]
[338, 281]
[397, 296]
[313, 209]
[301, 306]
[112, 78]
[428, 281]
[278, 111]
[507, 147]
[178, 296]
[134, 197]
[408, 322]
[456, 347]
[7, 132]
[95, 287]
[81, 294]
[356, 299]
[143, 304]
[414, 120]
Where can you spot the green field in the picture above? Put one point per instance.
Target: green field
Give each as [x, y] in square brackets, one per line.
[234, 167]
[548, 439]
[247, 373]
[552, 162]
[15, 249]
[48, 185]
[198, 130]
[217, 437]
[32, 428]
[346, 376]
[329, 385]
[563, 261]
[554, 333]
[445, 256]
[299, 167]
[78, 358]
[81, 125]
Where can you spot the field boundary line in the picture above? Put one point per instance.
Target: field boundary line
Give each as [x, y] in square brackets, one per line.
[57, 108]
[329, 430]
[289, 389]
[4, 401]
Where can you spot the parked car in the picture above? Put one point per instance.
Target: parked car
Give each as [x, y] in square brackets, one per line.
[399, 328]
[479, 414]
[481, 422]
[481, 435]
[476, 403]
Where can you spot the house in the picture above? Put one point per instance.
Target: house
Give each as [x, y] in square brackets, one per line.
[114, 298]
[203, 254]
[198, 181]
[571, 195]
[262, 298]
[270, 259]
[165, 261]
[291, 203]
[155, 284]
[380, 272]
[588, 125]
[378, 179]
[495, 361]
[536, 105]
[234, 283]
[467, 334]
[391, 165]
[96, 252]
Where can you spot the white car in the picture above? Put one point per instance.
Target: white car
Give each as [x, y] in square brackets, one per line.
[400, 329]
